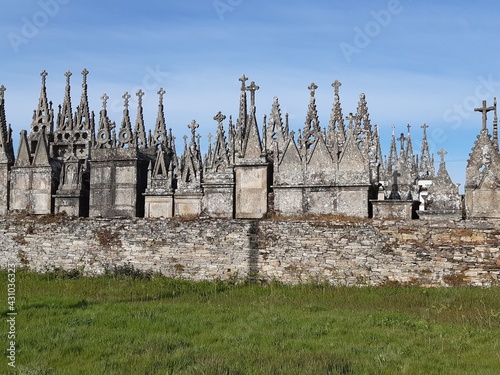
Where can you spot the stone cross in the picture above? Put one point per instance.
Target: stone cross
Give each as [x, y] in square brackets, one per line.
[161, 92]
[193, 126]
[2, 92]
[219, 117]
[44, 75]
[126, 97]
[104, 99]
[209, 136]
[484, 109]
[402, 139]
[336, 85]
[243, 80]
[312, 87]
[442, 154]
[140, 94]
[252, 88]
[395, 176]
[408, 127]
[85, 72]
[67, 74]
[425, 126]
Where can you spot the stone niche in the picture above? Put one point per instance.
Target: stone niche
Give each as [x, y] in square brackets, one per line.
[251, 191]
[117, 180]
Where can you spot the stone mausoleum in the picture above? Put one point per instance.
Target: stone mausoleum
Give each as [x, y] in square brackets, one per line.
[66, 164]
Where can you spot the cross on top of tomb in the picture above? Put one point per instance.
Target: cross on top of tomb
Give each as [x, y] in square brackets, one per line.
[442, 153]
[126, 97]
[85, 72]
[484, 109]
[312, 87]
[219, 117]
[243, 81]
[104, 99]
[161, 92]
[336, 86]
[140, 94]
[252, 88]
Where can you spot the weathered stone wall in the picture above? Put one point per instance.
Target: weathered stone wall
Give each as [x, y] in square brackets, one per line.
[338, 251]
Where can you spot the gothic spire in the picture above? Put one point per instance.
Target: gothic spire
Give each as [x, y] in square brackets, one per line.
[336, 130]
[275, 130]
[140, 130]
[442, 171]
[105, 138]
[6, 149]
[393, 154]
[242, 120]
[426, 167]
[65, 116]
[126, 136]
[43, 116]
[160, 133]
[410, 157]
[312, 129]
[220, 158]
[363, 115]
[495, 124]
[83, 121]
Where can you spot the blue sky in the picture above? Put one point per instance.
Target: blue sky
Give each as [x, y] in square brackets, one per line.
[416, 61]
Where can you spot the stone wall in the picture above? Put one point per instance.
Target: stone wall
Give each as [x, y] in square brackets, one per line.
[338, 251]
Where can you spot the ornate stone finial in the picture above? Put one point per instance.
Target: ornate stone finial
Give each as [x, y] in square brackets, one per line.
[185, 137]
[336, 86]
[161, 92]
[252, 88]
[209, 136]
[68, 74]
[393, 127]
[104, 99]
[140, 94]
[44, 75]
[442, 153]
[312, 87]
[2, 92]
[219, 117]
[243, 81]
[85, 72]
[193, 126]
[484, 109]
[126, 97]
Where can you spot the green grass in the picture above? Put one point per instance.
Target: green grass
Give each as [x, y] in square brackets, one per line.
[132, 323]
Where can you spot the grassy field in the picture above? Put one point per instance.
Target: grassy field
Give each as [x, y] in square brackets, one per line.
[131, 323]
